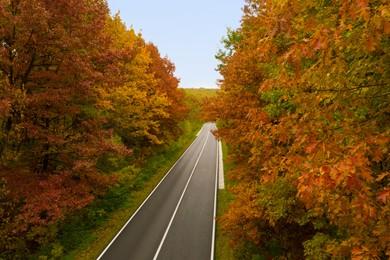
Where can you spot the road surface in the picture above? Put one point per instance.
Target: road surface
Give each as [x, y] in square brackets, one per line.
[176, 221]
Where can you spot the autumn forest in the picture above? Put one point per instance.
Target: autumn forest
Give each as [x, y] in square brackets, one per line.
[303, 110]
[81, 98]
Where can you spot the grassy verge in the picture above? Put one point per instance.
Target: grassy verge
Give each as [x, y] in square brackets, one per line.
[95, 239]
[223, 251]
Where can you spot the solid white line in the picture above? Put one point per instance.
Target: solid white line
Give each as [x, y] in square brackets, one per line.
[120, 231]
[221, 181]
[200, 130]
[215, 205]
[181, 198]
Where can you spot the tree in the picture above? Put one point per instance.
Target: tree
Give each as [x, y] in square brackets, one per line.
[145, 103]
[304, 110]
[77, 89]
[163, 70]
[53, 55]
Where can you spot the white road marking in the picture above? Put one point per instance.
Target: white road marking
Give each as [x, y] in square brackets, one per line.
[181, 198]
[215, 203]
[112, 241]
[221, 179]
[200, 130]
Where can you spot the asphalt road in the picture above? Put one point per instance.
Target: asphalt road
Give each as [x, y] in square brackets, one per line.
[176, 221]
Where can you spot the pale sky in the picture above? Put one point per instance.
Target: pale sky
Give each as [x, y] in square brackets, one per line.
[188, 32]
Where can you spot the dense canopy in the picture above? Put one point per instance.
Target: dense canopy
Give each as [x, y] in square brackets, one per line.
[304, 109]
[78, 91]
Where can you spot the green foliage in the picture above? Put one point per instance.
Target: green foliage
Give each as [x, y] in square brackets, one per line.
[8, 243]
[196, 98]
[278, 202]
[199, 93]
[278, 102]
[316, 248]
[111, 162]
[229, 43]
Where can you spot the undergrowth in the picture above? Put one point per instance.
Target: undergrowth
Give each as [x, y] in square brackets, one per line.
[84, 235]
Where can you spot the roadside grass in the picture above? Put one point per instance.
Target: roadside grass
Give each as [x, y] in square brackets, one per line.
[90, 241]
[85, 234]
[222, 250]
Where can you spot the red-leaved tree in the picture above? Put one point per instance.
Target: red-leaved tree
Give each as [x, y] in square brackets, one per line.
[53, 55]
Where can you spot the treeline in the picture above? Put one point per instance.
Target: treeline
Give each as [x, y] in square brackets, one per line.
[84, 101]
[304, 110]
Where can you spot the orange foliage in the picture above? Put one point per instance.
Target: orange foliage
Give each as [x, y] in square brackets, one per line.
[304, 110]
